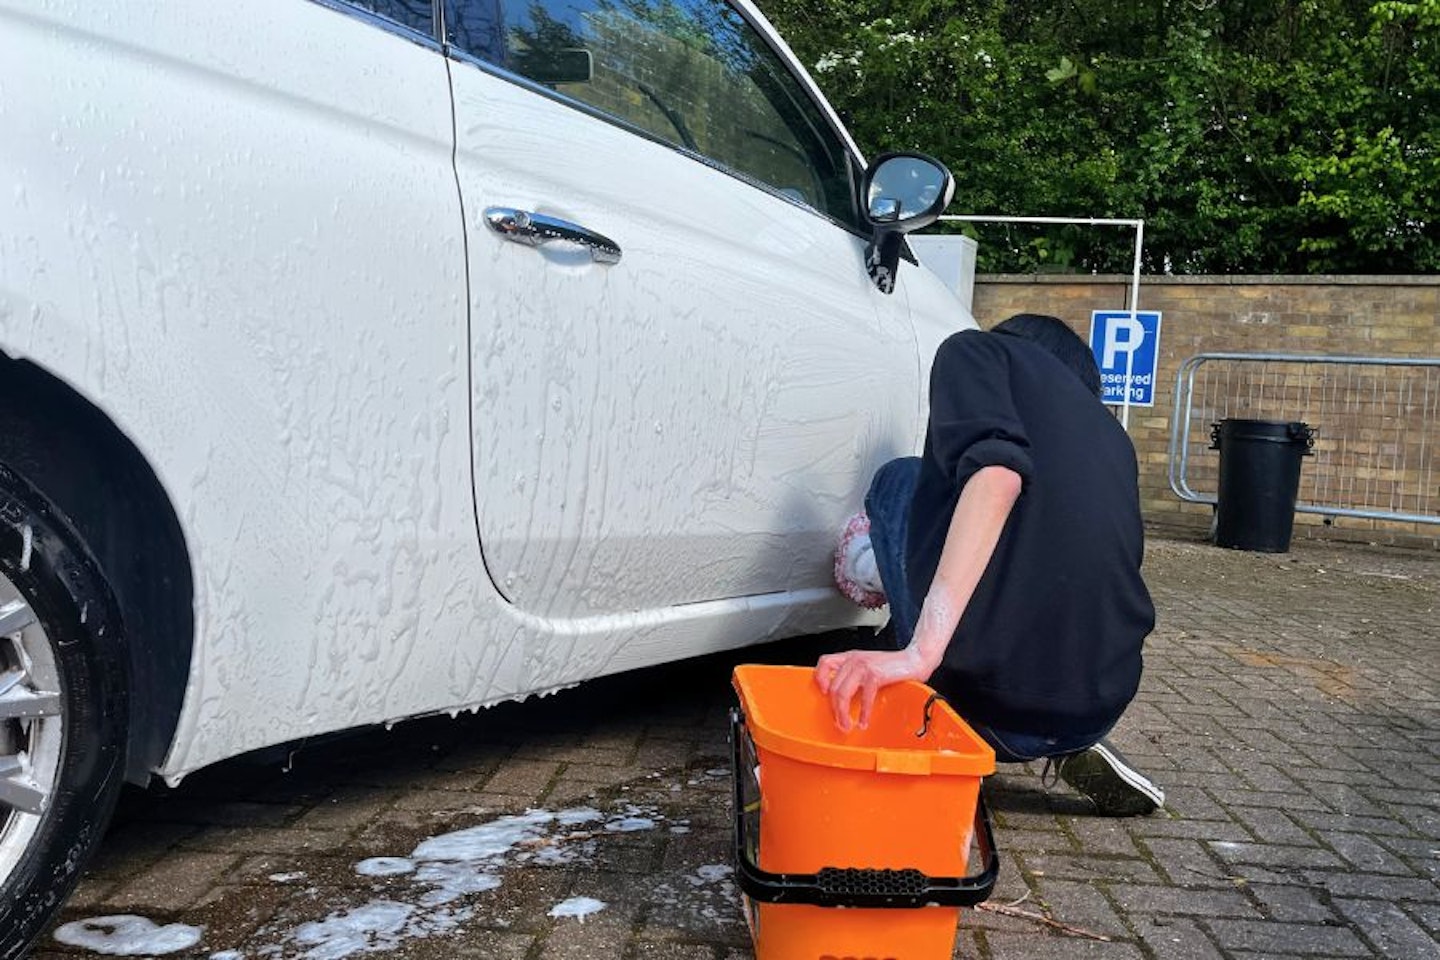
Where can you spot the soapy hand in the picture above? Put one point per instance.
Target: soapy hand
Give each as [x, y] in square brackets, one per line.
[843, 676]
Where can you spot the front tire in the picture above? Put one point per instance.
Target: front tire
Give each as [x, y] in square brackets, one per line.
[63, 710]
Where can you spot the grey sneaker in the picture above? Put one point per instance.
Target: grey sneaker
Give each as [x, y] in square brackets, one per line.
[1115, 787]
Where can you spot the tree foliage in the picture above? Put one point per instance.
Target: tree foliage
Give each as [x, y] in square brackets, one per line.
[1254, 136]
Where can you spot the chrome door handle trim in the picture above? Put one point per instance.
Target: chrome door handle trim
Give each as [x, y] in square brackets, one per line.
[533, 229]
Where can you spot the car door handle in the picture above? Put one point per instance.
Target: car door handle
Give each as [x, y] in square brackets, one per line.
[533, 229]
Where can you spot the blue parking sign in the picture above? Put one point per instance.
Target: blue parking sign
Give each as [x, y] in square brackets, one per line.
[1120, 339]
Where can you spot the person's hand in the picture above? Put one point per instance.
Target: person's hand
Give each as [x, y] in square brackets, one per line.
[843, 676]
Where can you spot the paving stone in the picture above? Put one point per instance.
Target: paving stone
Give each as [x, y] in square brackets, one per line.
[580, 780]
[473, 945]
[1424, 821]
[1297, 799]
[1007, 946]
[665, 950]
[1366, 855]
[1289, 903]
[1135, 898]
[1267, 777]
[231, 914]
[1194, 803]
[470, 778]
[1346, 799]
[90, 894]
[298, 870]
[347, 809]
[1392, 932]
[1015, 882]
[1082, 905]
[1080, 867]
[454, 803]
[524, 778]
[1341, 823]
[1041, 841]
[1425, 914]
[1275, 855]
[1377, 886]
[1187, 862]
[1272, 826]
[1287, 939]
[1172, 938]
[175, 883]
[266, 840]
[1154, 827]
[989, 920]
[1411, 778]
[172, 807]
[1423, 855]
[1103, 835]
[599, 936]
[1262, 740]
[660, 754]
[1187, 776]
[128, 847]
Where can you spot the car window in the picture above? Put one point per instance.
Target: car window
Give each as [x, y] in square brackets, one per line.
[692, 73]
[418, 15]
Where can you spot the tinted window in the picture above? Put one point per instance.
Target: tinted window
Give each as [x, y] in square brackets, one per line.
[416, 14]
[690, 72]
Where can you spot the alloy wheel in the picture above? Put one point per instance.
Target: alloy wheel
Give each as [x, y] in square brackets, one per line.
[31, 725]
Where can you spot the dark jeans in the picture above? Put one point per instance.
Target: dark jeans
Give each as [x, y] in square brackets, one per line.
[888, 506]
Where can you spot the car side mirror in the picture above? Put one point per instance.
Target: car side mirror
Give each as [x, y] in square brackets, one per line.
[903, 192]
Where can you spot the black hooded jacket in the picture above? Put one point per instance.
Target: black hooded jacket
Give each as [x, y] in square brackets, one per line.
[1051, 639]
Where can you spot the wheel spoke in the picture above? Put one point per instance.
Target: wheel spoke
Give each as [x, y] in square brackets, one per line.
[17, 790]
[21, 704]
[14, 617]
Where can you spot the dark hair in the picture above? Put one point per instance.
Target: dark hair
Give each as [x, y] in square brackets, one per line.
[1062, 342]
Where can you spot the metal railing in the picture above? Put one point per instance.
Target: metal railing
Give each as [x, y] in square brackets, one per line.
[1377, 450]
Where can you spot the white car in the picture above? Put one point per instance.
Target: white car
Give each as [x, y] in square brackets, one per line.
[296, 437]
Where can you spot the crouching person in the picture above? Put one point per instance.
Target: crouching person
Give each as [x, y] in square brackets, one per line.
[1009, 555]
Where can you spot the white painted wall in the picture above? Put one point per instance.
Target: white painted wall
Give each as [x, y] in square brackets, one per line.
[951, 258]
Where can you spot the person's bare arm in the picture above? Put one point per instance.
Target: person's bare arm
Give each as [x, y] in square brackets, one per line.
[975, 526]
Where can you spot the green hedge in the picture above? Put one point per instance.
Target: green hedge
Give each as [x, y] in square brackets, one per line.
[1253, 137]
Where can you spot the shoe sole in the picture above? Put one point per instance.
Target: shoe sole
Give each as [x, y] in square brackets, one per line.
[1116, 789]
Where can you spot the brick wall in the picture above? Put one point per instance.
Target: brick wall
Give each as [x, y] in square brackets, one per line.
[1377, 448]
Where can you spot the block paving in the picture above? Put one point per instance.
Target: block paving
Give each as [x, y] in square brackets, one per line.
[1290, 708]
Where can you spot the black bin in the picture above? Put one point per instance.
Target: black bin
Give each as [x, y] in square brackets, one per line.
[1259, 481]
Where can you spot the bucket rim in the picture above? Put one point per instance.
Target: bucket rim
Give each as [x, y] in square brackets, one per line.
[976, 761]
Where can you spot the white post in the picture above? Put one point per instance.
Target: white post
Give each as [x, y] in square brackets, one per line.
[1134, 306]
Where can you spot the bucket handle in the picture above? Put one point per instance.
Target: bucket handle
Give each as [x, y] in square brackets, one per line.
[857, 886]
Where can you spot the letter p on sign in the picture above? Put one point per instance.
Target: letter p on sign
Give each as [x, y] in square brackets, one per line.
[1125, 344]
[1121, 334]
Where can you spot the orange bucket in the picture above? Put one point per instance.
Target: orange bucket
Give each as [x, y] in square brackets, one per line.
[878, 821]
